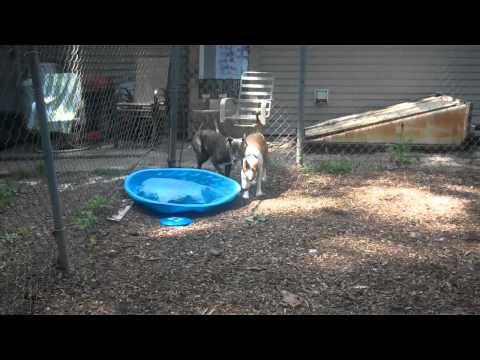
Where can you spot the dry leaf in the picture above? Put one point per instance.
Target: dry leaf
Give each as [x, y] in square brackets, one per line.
[291, 299]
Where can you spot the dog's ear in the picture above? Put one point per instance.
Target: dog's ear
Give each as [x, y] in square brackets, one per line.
[244, 138]
[243, 145]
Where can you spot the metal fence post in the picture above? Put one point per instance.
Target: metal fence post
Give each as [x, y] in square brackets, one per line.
[59, 231]
[301, 104]
[178, 98]
[173, 92]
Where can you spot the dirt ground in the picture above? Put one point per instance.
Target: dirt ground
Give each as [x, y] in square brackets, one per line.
[395, 241]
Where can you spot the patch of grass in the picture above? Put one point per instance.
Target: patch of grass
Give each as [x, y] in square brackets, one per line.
[24, 232]
[333, 167]
[400, 154]
[7, 194]
[20, 234]
[367, 166]
[110, 172]
[88, 217]
[31, 173]
[9, 238]
[99, 202]
[21, 175]
[40, 169]
[257, 218]
[85, 219]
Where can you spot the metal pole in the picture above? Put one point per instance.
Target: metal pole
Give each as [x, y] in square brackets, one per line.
[59, 231]
[173, 93]
[301, 104]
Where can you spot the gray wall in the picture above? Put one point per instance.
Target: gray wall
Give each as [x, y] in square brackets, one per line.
[152, 74]
[283, 62]
[364, 77]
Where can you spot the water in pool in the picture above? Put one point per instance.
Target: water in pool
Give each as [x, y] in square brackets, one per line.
[174, 191]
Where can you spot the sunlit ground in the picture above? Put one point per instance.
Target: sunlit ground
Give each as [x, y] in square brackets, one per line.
[408, 204]
[356, 243]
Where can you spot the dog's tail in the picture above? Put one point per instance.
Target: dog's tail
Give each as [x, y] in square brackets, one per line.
[259, 123]
[201, 126]
[192, 134]
[196, 144]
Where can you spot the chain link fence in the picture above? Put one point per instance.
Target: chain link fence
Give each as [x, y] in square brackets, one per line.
[107, 112]
[406, 135]
[417, 110]
[110, 111]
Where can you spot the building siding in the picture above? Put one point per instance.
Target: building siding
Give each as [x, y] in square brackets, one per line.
[283, 61]
[366, 77]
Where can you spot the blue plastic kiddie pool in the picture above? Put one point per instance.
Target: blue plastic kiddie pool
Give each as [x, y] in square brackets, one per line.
[177, 191]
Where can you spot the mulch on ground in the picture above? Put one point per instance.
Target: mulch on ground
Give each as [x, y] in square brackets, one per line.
[387, 242]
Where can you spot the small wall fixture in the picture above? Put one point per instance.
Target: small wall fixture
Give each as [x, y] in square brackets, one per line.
[321, 96]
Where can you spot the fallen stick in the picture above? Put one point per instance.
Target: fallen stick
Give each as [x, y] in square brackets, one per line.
[212, 311]
[121, 214]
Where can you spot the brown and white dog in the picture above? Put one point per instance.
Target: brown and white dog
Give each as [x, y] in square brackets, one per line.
[254, 162]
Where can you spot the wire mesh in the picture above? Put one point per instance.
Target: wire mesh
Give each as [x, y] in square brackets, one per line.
[102, 126]
[418, 72]
[454, 144]
[109, 109]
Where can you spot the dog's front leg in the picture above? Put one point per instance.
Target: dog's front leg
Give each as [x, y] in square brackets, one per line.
[259, 182]
[201, 159]
[218, 168]
[246, 194]
[228, 170]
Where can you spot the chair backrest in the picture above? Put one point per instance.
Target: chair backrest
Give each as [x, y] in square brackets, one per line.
[255, 88]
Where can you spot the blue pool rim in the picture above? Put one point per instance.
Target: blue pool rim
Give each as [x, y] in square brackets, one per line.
[185, 207]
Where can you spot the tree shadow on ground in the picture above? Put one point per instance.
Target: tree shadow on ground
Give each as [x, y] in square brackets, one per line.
[339, 260]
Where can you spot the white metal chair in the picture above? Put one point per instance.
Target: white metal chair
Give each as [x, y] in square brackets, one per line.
[255, 97]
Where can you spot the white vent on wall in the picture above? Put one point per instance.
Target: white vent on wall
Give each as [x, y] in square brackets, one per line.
[321, 96]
